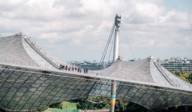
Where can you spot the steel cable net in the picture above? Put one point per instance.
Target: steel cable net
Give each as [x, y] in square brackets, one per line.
[28, 89]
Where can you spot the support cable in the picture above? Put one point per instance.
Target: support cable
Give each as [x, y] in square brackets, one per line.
[110, 55]
[107, 45]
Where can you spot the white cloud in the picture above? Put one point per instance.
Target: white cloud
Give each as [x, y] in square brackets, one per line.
[81, 27]
[149, 9]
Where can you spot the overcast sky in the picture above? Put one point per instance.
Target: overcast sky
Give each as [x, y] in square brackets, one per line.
[78, 29]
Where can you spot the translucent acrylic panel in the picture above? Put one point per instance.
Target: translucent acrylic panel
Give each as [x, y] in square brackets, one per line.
[155, 95]
[132, 92]
[144, 100]
[123, 90]
[187, 99]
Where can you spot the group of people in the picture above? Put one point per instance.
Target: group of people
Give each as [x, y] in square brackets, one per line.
[73, 68]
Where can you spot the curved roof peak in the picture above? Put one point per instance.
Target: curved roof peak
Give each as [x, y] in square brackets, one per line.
[145, 71]
[13, 52]
[18, 50]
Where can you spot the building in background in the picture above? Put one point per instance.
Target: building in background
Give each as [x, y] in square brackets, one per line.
[178, 64]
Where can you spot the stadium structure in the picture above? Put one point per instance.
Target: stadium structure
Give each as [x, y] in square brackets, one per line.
[31, 81]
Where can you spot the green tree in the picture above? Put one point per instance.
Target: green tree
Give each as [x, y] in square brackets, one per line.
[190, 78]
[187, 76]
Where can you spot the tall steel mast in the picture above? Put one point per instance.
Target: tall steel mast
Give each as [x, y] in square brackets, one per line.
[115, 58]
[116, 54]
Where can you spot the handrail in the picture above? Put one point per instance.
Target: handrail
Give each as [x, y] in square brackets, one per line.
[34, 47]
[164, 74]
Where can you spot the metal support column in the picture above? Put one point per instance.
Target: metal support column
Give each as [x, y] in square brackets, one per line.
[115, 58]
[113, 95]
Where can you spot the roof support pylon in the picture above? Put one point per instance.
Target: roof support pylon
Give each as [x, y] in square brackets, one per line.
[116, 54]
[113, 95]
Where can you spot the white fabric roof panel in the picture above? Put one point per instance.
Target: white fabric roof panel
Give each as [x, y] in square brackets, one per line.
[17, 50]
[146, 71]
